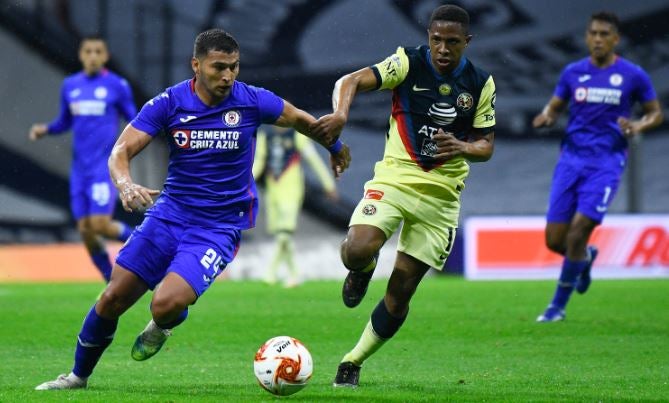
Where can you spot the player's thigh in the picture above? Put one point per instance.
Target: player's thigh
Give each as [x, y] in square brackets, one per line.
[381, 208]
[150, 249]
[203, 254]
[597, 191]
[562, 201]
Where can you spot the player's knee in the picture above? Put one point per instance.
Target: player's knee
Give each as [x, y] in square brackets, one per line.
[555, 245]
[112, 304]
[357, 255]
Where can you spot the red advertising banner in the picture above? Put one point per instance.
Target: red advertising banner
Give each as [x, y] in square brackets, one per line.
[513, 248]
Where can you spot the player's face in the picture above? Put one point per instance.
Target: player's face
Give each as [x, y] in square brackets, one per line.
[93, 55]
[447, 44]
[601, 38]
[217, 72]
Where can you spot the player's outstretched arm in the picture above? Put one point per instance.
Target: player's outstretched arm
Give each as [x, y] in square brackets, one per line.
[302, 121]
[343, 94]
[550, 113]
[652, 117]
[130, 143]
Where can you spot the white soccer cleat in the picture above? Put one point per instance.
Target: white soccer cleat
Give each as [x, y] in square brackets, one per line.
[69, 381]
[149, 342]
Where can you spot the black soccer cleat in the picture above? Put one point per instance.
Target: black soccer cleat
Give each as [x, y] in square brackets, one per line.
[355, 287]
[348, 375]
[356, 284]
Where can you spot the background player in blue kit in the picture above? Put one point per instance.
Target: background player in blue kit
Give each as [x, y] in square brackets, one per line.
[91, 102]
[600, 91]
[193, 231]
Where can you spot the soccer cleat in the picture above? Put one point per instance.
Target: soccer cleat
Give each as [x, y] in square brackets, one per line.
[348, 375]
[584, 280]
[149, 342]
[552, 314]
[70, 381]
[355, 286]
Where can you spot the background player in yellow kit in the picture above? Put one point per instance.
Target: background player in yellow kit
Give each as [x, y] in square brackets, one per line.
[279, 152]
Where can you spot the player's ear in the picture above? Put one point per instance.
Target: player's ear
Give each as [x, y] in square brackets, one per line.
[195, 65]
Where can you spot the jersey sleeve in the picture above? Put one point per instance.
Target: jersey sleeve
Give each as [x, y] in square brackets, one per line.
[485, 110]
[644, 91]
[154, 115]
[126, 104]
[392, 71]
[64, 120]
[270, 105]
[562, 89]
[307, 150]
[260, 155]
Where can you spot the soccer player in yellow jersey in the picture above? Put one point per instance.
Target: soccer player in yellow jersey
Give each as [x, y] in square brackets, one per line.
[279, 152]
[443, 117]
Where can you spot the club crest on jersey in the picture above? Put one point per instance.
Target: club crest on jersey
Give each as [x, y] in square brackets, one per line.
[100, 92]
[444, 89]
[181, 138]
[232, 118]
[616, 79]
[465, 101]
[369, 209]
[442, 113]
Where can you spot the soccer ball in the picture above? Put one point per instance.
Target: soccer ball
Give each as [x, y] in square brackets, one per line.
[283, 365]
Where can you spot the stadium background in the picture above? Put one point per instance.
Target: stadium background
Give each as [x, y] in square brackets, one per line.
[298, 49]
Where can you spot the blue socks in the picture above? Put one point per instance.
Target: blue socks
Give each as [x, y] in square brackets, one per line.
[385, 325]
[96, 335]
[125, 232]
[102, 262]
[570, 272]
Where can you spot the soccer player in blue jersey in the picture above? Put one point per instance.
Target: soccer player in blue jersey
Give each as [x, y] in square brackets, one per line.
[194, 228]
[443, 117]
[600, 91]
[91, 103]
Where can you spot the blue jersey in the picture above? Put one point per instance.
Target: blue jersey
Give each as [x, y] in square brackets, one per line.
[209, 180]
[597, 98]
[91, 106]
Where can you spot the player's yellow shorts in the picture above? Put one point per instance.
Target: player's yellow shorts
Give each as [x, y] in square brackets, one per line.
[428, 232]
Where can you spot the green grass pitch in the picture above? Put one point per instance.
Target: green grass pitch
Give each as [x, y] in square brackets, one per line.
[463, 342]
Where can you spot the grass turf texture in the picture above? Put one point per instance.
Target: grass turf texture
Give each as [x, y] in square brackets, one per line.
[464, 341]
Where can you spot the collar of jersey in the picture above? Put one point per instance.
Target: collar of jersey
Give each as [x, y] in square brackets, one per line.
[454, 73]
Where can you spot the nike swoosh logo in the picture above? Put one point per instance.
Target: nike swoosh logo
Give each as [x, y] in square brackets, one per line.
[583, 78]
[187, 118]
[419, 89]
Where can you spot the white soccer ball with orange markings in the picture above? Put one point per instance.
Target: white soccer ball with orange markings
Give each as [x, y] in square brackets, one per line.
[283, 365]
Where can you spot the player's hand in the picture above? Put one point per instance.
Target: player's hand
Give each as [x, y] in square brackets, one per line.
[340, 161]
[328, 127]
[543, 120]
[628, 127]
[136, 197]
[37, 131]
[332, 195]
[448, 146]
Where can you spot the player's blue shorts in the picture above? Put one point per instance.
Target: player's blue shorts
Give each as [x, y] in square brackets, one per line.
[588, 190]
[196, 254]
[93, 195]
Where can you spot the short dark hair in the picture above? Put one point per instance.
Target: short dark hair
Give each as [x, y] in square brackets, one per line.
[451, 13]
[606, 16]
[214, 39]
[91, 37]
